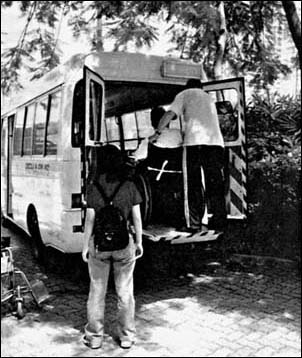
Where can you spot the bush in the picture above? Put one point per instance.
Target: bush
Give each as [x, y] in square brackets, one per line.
[274, 179]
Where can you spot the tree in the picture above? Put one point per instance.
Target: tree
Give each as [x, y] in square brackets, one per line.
[236, 34]
[118, 19]
[36, 50]
[294, 24]
[233, 34]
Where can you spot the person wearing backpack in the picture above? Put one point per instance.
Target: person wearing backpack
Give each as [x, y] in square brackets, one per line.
[111, 200]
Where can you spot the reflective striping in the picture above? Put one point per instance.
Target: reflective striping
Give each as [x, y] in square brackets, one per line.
[238, 167]
[235, 173]
[236, 202]
[236, 187]
[235, 211]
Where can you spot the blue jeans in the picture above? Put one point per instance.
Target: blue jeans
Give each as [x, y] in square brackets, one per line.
[99, 268]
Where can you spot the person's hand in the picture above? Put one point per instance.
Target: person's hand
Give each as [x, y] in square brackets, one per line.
[139, 251]
[85, 253]
[154, 138]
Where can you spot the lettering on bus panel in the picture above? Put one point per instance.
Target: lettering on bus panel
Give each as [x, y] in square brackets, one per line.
[37, 167]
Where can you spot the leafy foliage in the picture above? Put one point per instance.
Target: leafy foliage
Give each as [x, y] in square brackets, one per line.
[195, 28]
[274, 178]
[35, 43]
[274, 127]
[250, 47]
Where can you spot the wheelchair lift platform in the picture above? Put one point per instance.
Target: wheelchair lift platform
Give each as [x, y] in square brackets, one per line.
[158, 233]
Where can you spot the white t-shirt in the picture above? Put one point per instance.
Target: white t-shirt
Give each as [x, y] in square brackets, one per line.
[199, 117]
[169, 138]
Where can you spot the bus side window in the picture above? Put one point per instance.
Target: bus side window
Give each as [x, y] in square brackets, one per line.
[78, 115]
[111, 132]
[28, 129]
[226, 103]
[130, 129]
[39, 127]
[145, 128]
[18, 132]
[52, 129]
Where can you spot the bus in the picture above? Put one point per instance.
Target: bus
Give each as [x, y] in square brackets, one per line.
[49, 132]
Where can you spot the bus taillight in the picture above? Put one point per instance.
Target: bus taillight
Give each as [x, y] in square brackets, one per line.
[76, 201]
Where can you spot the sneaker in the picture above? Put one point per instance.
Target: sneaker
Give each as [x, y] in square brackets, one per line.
[92, 342]
[126, 343]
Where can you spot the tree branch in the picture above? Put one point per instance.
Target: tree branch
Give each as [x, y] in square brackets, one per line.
[294, 24]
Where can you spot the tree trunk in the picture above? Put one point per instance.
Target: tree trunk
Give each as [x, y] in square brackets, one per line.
[97, 37]
[294, 24]
[221, 42]
[204, 77]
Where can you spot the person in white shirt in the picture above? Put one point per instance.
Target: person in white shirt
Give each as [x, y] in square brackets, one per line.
[205, 147]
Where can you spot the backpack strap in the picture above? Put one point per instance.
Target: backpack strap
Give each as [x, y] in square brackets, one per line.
[107, 199]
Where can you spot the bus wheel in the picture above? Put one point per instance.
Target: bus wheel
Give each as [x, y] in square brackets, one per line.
[37, 245]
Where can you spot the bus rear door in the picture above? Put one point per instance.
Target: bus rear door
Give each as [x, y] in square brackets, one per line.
[230, 104]
[94, 106]
[6, 164]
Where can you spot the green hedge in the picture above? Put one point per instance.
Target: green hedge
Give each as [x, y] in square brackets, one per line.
[274, 181]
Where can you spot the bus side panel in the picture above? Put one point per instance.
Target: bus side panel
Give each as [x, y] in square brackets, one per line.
[37, 182]
[46, 184]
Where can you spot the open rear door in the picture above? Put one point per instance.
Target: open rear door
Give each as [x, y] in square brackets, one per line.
[230, 103]
[94, 106]
[7, 127]
[94, 92]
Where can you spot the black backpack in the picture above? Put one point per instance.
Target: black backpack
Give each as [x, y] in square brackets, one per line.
[110, 226]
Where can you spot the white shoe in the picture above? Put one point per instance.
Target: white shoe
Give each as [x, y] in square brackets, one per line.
[126, 343]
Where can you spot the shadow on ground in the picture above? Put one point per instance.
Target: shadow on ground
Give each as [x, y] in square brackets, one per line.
[164, 281]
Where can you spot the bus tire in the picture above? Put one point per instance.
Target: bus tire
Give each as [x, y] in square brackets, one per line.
[38, 248]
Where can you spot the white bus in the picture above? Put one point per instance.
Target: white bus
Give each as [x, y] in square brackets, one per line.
[49, 132]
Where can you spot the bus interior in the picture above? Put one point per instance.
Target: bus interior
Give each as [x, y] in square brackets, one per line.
[127, 123]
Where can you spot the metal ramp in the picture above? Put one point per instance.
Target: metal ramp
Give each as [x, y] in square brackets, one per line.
[157, 233]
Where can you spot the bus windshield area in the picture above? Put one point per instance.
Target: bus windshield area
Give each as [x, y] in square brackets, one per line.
[127, 122]
[127, 111]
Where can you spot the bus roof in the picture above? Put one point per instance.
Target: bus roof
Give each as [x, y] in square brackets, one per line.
[111, 66]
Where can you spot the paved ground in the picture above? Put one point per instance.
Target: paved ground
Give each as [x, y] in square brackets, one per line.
[221, 311]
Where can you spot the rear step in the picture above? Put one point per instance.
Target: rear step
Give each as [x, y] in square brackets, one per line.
[162, 233]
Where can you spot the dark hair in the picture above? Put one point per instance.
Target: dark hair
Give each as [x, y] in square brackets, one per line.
[193, 83]
[156, 115]
[110, 161]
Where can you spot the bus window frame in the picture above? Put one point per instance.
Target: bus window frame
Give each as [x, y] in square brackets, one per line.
[50, 100]
[78, 142]
[90, 75]
[24, 127]
[46, 124]
[24, 110]
[40, 99]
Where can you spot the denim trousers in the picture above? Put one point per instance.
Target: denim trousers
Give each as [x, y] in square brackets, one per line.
[99, 263]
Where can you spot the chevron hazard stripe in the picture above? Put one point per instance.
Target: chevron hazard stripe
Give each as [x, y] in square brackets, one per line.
[236, 200]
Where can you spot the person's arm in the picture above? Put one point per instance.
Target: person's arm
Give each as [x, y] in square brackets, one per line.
[164, 121]
[89, 223]
[138, 227]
